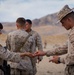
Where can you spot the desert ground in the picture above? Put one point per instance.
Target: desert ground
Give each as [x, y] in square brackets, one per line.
[54, 36]
[48, 68]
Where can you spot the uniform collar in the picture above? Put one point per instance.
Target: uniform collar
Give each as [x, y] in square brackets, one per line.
[71, 30]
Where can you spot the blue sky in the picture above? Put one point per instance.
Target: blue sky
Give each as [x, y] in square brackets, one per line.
[10, 10]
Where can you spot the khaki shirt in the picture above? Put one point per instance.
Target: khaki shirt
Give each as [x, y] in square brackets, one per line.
[14, 43]
[68, 48]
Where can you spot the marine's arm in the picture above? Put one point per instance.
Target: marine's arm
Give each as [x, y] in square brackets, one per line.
[12, 56]
[7, 55]
[69, 57]
[39, 45]
[39, 42]
[58, 51]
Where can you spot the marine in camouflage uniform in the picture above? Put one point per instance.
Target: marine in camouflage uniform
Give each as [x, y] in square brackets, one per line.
[66, 17]
[14, 43]
[36, 45]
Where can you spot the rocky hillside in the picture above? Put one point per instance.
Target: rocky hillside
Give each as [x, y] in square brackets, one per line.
[50, 19]
[8, 23]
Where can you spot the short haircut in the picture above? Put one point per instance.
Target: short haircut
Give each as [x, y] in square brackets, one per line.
[1, 26]
[21, 21]
[29, 21]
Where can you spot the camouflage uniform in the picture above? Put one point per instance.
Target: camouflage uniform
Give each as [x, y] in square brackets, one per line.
[7, 55]
[69, 58]
[14, 43]
[37, 44]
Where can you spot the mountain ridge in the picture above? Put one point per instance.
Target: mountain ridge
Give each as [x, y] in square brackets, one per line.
[49, 19]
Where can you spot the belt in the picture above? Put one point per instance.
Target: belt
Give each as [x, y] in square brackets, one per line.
[70, 65]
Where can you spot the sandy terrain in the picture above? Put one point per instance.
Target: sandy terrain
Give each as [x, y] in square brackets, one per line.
[46, 68]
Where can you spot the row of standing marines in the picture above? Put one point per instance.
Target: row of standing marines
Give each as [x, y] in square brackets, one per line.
[22, 43]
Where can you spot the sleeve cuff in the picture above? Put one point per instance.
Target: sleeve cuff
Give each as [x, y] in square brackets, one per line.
[47, 53]
[40, 57]
[62, 60]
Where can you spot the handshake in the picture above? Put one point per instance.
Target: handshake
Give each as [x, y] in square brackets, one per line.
[55, 58]
[37, 53]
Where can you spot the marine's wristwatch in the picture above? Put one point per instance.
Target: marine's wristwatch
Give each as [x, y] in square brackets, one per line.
[59, 60]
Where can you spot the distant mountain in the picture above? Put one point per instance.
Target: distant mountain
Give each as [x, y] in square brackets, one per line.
[50, 19]
[8, 23]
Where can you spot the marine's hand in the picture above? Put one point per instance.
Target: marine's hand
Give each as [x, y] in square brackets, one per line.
[26, 54]
[29, 54]
[54, 59]
[38, 60]
[39, 53]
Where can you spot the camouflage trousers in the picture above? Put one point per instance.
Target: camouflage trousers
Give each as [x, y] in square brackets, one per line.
[19, 72]
[69, 70]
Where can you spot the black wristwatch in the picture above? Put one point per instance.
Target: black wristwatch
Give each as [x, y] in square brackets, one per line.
[59, 60]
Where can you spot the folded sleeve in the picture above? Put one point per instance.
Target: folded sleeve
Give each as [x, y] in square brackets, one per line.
[58, 51]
